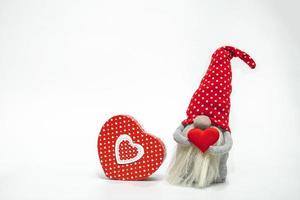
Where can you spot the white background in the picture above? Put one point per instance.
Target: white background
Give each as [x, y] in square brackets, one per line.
[68, 66]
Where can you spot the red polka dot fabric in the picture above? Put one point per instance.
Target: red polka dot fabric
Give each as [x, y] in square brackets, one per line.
[212, 98]
[126, 151]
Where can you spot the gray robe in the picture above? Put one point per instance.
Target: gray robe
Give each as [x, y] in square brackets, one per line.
[222, 150]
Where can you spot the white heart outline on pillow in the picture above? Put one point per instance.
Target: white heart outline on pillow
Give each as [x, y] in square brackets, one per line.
[140, 149]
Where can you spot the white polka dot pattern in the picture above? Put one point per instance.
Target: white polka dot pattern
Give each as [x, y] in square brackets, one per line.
[126, 151]
[153, 149]
[212, 98]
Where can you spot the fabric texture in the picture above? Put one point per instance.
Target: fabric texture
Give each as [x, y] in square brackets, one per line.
[212, 98]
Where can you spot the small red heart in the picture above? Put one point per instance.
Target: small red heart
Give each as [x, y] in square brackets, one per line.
[203, 139]
[126, 151]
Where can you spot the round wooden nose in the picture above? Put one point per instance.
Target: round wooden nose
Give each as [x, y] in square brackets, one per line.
[202, 122]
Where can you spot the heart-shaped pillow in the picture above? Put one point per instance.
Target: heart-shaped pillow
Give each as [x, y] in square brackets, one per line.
[126, 151]
[203, 138]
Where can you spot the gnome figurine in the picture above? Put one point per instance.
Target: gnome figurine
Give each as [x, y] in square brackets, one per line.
[204, 137]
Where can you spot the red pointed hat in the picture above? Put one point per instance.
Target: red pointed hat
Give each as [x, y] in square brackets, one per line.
[212, 98]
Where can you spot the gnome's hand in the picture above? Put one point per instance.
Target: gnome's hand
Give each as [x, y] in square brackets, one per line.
[179, 137]
[225, 148]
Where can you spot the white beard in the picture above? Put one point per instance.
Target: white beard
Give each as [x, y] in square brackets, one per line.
[191, 167]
